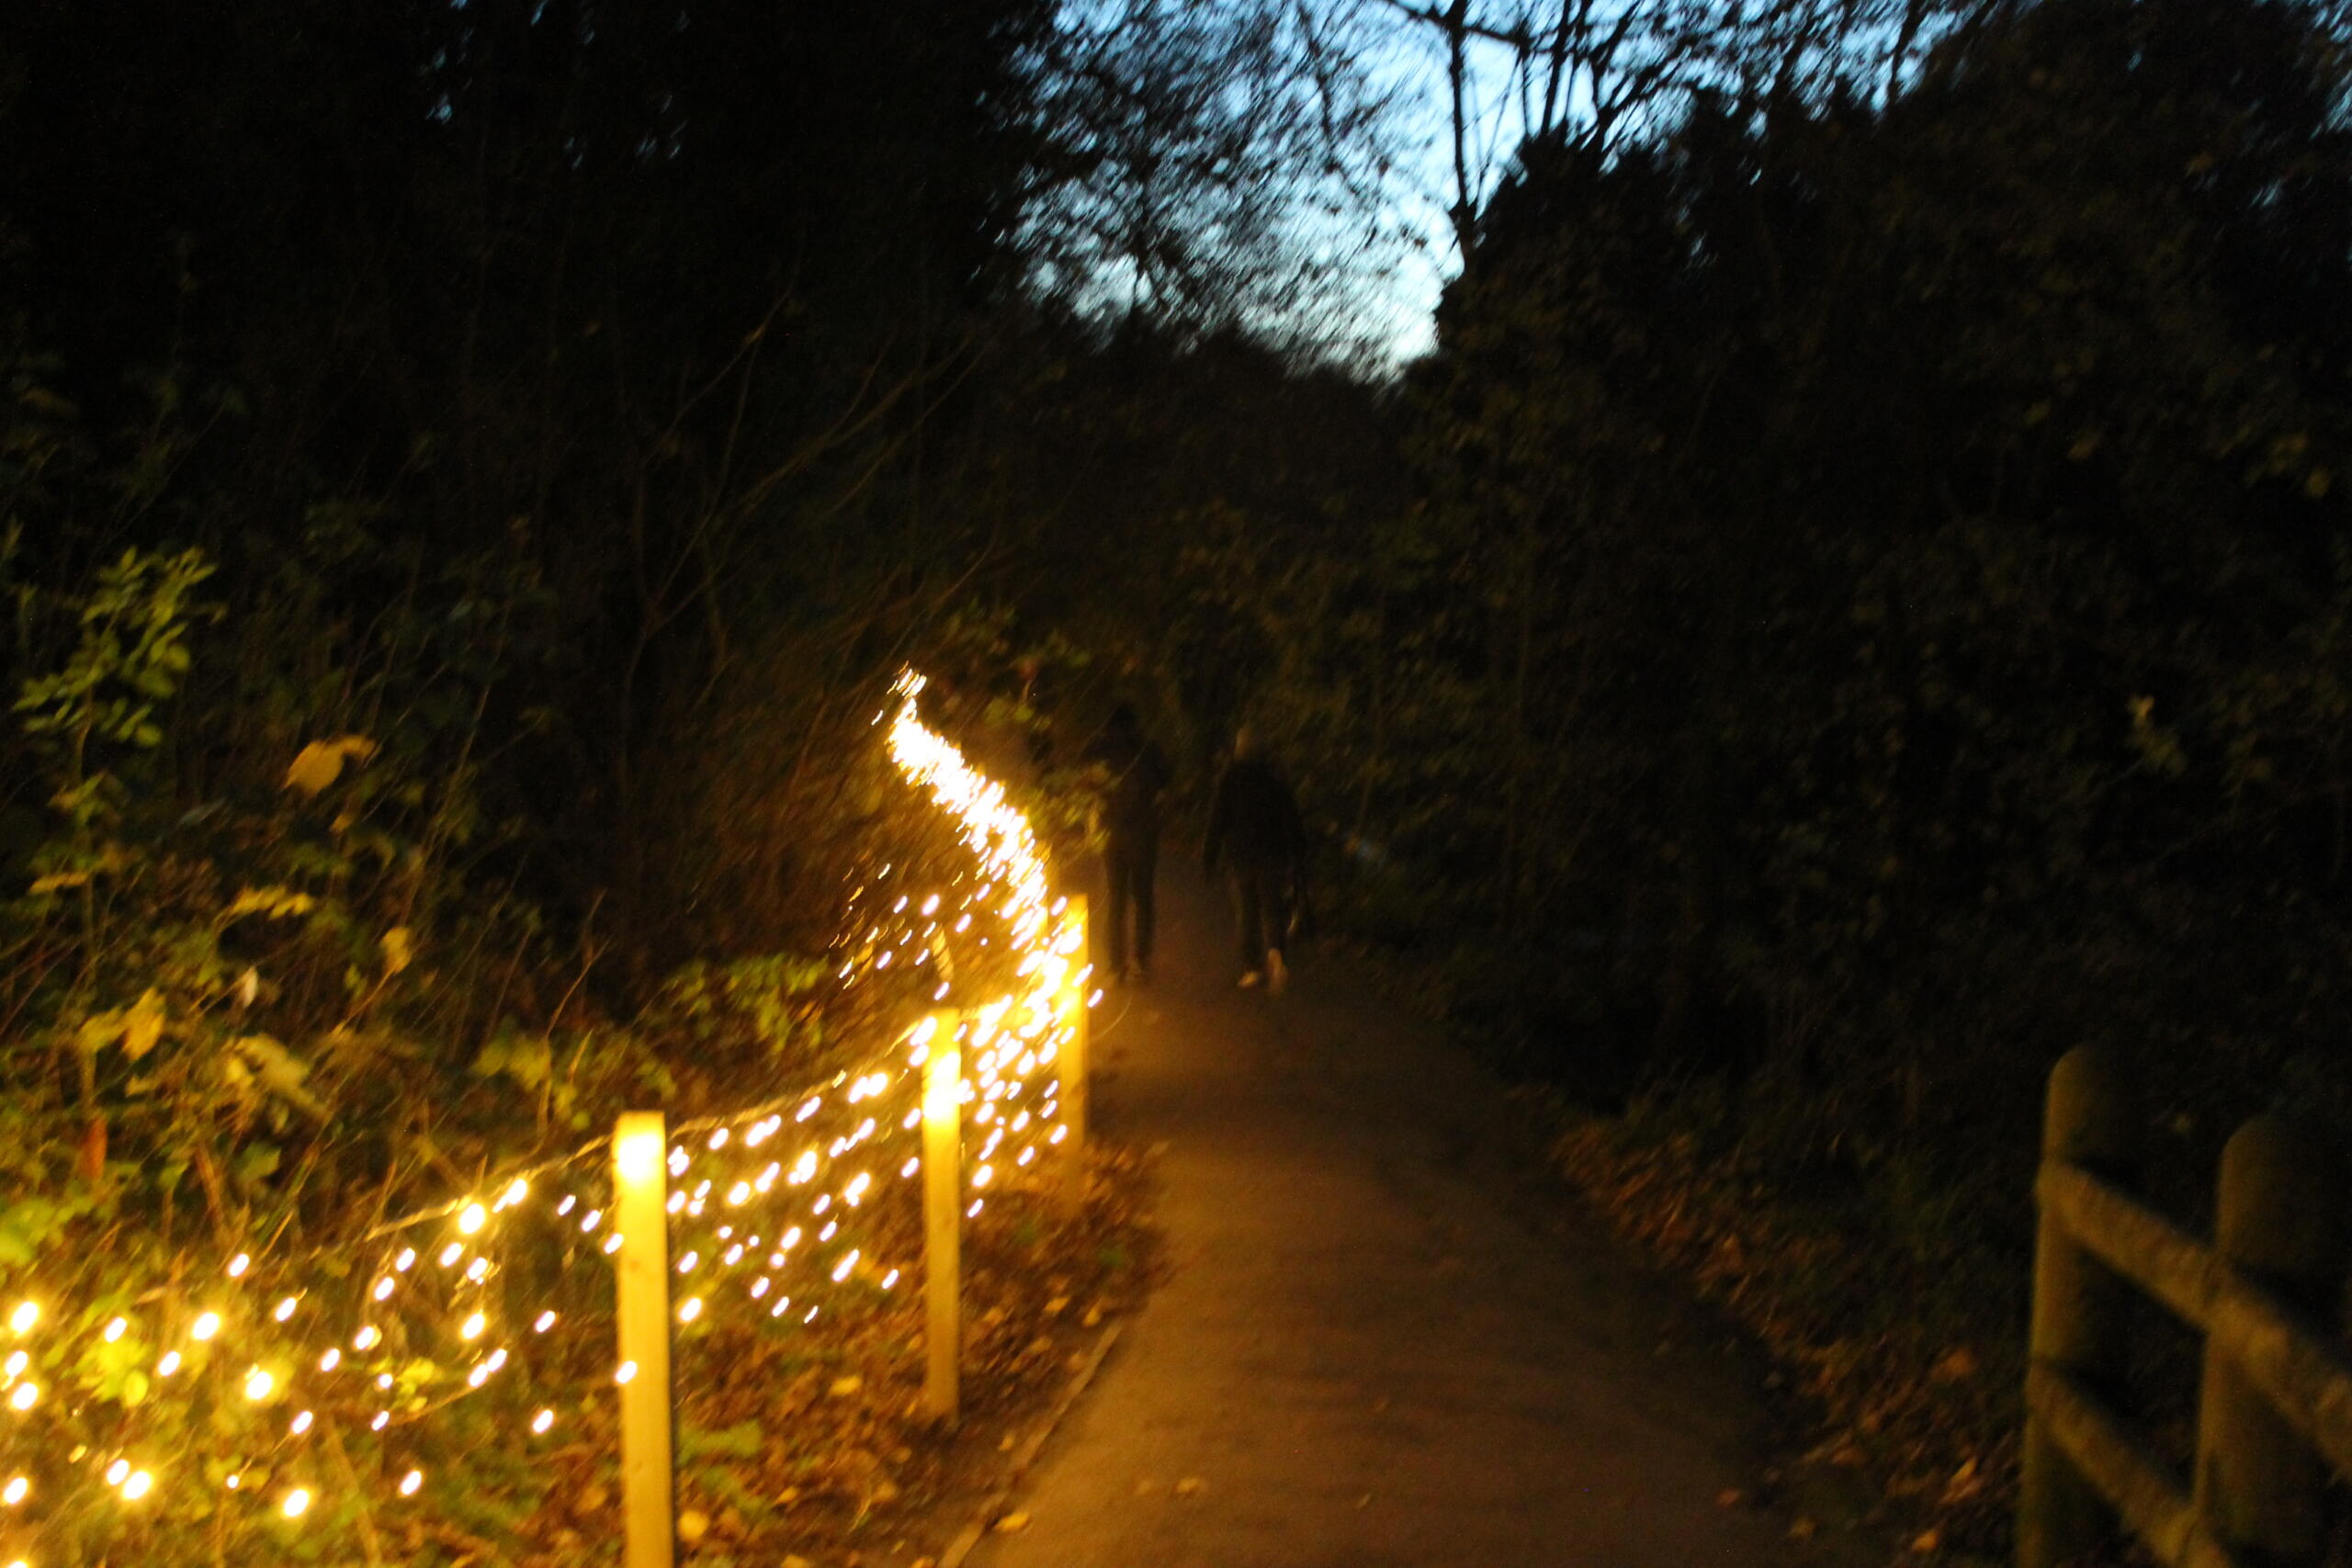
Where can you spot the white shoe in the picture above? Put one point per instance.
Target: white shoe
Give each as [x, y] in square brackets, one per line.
[1277, 974]
[1248, 978]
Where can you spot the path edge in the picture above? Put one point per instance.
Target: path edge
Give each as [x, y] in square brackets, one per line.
[992, 1509]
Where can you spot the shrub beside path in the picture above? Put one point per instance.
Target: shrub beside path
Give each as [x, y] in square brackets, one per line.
[1374, 1348]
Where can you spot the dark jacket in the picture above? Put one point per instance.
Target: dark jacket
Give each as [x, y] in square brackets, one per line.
[1254, 824]
[1139, 774]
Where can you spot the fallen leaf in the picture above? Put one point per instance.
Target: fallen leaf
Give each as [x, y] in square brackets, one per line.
[1927, 1540]
[845, 1386]
[1012, 1522]
[693, 1524]
[1189, 1486]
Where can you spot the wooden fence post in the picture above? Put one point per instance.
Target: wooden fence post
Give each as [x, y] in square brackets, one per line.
[942, 1212]
[1071, 1062]
[2081, 1311]
[641, 1216]
[2260, 1487]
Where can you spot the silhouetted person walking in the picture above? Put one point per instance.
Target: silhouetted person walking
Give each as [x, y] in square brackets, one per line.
[1256, 834]
[1131, 828]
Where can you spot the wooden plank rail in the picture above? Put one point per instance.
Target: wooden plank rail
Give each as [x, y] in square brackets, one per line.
[2309, 1380]
[2117, 1461]
[2276, 1404]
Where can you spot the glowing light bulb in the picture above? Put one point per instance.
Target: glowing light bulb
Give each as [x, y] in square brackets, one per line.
[690, 1309]
[411, 1482]
[138, 1485]
[168, 1365]
[546, 1321]
[205, 1325]
[472, 1218]
[300, 1423]
[331, 1360]
[16, 1491]
[624, 1372]
[296, 1503]
[383, 1288]
[450, 1255]
[117, 1472]
[367, 1338]
[473, 1326]
[406, 1258]
[115, 1329]
[238, 1265]
[24, 1395]
[258, 1384]
[542, 1421]
[25, 1315]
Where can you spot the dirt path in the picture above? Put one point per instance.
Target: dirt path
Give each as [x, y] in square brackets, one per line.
[1363, 1355]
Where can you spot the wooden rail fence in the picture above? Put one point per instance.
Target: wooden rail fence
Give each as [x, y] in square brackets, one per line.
[2275, 1406]
[642, 1277]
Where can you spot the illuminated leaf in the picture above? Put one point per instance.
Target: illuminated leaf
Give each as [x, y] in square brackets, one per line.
[143, 1025]
[320, 762]
[275, 903]
[99, 1030]
[278, 1069]
[397, 952]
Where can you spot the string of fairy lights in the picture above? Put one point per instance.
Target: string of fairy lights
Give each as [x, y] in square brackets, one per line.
[765, 1207]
